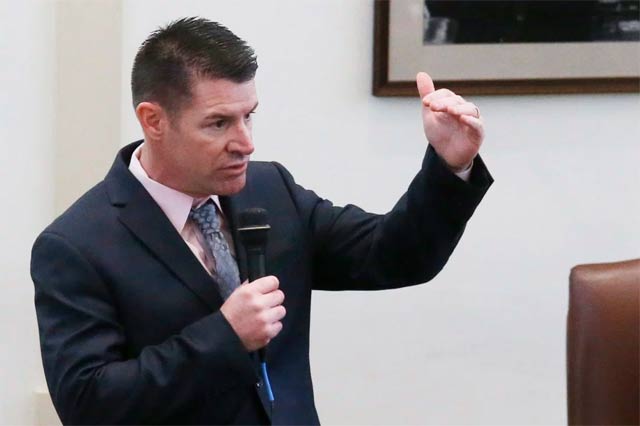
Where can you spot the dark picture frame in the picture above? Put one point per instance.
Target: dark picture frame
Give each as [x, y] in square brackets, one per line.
[383, 85]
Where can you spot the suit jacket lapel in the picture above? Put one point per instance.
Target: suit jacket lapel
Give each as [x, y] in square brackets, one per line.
[144, 218]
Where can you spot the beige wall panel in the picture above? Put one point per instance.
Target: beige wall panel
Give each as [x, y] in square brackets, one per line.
[87, 101]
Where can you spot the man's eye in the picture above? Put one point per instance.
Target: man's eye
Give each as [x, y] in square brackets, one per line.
[248, 116]
[219, 124]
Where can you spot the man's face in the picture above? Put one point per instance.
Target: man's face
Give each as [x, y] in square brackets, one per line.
[208, 141]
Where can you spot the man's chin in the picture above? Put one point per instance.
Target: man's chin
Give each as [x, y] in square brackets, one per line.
[230, 187]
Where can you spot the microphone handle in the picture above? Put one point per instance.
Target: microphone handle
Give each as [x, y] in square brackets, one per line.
[256, 265]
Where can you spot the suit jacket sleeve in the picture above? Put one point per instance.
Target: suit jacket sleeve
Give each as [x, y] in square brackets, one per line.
[91, 379]
[355, 250]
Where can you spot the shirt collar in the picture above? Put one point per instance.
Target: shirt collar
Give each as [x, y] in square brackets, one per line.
[175, 204]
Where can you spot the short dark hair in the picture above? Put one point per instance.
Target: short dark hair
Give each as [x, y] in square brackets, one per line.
[174, 56]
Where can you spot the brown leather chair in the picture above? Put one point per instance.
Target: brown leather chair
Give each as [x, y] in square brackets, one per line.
[603, 338]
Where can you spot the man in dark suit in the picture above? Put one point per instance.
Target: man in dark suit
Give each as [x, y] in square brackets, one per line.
[141, 315]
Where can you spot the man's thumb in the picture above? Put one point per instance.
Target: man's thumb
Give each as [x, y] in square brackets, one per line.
[425, 84]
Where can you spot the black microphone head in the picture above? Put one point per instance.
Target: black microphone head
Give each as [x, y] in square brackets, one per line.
[253, 228]
[253, 217]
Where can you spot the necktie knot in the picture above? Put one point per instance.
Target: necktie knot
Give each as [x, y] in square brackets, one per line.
[206, 217]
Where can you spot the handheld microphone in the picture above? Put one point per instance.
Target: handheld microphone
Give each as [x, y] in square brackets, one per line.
[253, 229]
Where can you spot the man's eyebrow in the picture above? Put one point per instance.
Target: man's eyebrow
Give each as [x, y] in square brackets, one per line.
[217, 115]
[226, 116]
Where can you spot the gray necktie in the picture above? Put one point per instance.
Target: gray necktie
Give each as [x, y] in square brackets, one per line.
[226, 269]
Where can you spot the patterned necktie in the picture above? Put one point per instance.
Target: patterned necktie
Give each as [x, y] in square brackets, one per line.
[226, 269]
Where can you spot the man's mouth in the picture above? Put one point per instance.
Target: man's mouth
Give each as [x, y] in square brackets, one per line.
[237, 168]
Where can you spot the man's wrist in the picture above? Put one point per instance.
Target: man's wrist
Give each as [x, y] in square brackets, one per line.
[462, 169]
[464, 172]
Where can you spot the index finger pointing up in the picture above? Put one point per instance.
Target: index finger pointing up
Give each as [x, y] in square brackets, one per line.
[425, 84]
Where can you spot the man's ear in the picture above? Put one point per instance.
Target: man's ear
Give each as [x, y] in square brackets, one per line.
[153, 119]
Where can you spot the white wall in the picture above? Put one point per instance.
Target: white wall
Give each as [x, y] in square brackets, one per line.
[481, 344]
[26, 168]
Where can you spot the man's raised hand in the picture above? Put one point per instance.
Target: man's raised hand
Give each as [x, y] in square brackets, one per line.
[451, 124]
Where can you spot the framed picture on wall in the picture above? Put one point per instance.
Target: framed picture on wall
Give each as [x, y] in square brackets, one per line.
[481, 47]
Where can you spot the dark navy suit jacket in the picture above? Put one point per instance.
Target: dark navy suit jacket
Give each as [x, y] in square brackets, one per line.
[129, 320]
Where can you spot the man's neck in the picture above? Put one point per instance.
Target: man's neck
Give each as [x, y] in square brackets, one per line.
[148, 162]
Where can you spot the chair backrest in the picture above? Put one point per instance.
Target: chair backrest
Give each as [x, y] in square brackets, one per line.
[603, 340]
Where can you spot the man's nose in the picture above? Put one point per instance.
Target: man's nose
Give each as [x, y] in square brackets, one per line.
[242, 140]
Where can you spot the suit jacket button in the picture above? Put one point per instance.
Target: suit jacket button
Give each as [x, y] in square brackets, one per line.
[258, 385]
